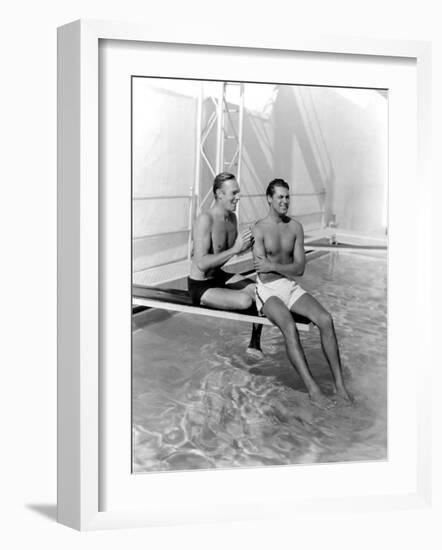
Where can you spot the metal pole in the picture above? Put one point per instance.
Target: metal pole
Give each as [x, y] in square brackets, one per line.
[240, 139]
[195, 188]
[220, 131]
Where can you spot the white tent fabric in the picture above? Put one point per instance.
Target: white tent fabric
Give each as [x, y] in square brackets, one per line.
[164, 156]
[160, 215]
[330, 144]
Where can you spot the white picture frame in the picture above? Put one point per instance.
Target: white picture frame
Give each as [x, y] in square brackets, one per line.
[81, 296]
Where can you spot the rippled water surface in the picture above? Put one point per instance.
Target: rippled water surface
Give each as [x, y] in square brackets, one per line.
[199, 401]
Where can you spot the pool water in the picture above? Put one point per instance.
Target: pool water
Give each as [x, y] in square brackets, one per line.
[199, 401]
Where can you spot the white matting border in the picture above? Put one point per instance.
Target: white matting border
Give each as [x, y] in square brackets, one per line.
[82, 471]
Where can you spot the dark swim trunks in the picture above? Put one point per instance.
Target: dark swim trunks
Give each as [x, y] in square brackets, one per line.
[198, 288]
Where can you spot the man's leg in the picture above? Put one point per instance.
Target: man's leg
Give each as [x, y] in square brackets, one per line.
[229, 299]
[248, 285]
[254, 348]
[309, 307]
[278, 313]
[226, 298]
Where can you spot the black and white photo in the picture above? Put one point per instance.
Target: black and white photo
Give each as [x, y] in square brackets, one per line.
[259, 272]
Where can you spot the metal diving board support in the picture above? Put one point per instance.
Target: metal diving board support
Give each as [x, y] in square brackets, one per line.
[226, 122]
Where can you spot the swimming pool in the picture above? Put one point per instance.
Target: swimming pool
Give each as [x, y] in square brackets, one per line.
[199, 401]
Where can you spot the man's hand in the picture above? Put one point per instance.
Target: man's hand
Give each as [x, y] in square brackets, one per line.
[243, 241]
[262, 265]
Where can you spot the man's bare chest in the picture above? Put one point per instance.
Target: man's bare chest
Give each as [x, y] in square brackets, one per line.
[223, 235]
[279, 240]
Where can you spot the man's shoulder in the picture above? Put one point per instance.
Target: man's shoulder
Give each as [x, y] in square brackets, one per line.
[260, 225]
[204, 218]
[265, 224]
[297, 226]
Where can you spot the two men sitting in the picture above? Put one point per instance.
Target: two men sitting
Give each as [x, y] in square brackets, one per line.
[277, 243]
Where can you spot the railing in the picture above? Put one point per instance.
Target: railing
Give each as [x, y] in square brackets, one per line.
[158, 197]
[161, 234]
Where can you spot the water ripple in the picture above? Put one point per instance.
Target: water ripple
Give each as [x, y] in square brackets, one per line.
[200, 401]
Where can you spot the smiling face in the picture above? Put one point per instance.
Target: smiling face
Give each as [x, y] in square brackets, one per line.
[228, 195]
[280, 200]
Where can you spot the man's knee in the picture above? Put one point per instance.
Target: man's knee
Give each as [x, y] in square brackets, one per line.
[288, 328]
[244, 300]
[325, 320]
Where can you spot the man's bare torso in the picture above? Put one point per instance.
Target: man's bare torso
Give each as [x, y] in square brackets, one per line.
[223, 232]
[279, 242]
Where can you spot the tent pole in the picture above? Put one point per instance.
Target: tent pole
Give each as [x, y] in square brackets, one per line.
[240, 140]
[220, 130]
[195, 188]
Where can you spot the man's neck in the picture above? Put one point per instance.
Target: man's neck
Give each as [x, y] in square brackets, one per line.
[276, 217]
[221, 211]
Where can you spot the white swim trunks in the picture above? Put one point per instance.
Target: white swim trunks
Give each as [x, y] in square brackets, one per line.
[285, 289]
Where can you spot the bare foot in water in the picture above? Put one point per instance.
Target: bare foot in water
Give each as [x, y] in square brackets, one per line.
[255, 353]
[322, 401]
[343, 396]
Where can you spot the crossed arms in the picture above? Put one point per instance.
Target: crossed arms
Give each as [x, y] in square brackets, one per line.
[263, 264]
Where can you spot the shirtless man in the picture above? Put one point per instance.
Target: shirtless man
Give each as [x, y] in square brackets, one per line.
[215, 241]
[279, 259]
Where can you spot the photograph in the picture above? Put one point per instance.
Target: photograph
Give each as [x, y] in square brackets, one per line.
[259, 274]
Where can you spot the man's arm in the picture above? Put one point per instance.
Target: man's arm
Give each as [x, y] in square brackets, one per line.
[259, 252]
[291, 270]
[297, 267]
[202, 244]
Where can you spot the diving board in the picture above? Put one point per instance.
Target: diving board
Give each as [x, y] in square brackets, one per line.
[180, 300]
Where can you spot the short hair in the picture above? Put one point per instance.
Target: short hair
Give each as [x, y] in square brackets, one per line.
[277, 182]
[220, 179]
